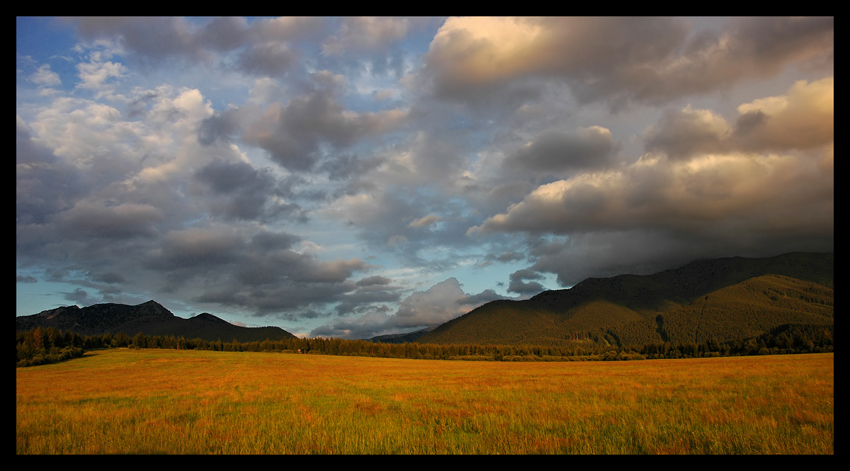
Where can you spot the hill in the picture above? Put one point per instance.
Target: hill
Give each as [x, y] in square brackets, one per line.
[150, 318]
[726, 299]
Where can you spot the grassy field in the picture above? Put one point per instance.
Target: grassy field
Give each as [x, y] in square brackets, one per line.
[203, 402]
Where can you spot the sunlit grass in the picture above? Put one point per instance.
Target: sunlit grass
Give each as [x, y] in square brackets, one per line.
[202, 402]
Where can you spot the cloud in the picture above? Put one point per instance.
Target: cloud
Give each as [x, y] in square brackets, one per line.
[682, 134]
[46, 77]
[712, 194]
[80, 296]
[469, 53]
[294, 133]
[705, 187]
[151, 38]
[521, 287]
[236, 190]
[268, 59]
[436, 305]
[374, 281]
[94, 75]
[556, 151]
[802, 119]
[263, 46]
[90, 219]
[425, 221]
[712, 189]
[366, 33]
[251, 270]
[640, 60]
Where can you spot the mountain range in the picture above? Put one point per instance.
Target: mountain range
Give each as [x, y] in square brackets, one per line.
[724, 299]
[721, 299]
[150, 318]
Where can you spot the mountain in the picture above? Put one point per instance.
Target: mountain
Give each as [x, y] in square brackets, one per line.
[726, 299]
[150, 318]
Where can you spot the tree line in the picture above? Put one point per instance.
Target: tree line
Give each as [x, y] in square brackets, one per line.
[46, 345]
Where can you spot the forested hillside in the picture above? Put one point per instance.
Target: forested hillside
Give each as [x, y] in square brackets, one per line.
[725, 299]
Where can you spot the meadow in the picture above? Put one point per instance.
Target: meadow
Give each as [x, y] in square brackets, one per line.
[152, 401]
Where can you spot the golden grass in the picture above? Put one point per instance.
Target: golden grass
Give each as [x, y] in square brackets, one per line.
[202, 402]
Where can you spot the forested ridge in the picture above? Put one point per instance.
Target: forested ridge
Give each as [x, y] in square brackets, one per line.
[48, 345]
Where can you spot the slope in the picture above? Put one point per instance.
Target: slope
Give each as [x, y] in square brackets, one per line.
[747, 309]
[593, 308]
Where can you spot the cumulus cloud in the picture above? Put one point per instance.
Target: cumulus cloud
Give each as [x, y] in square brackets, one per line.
[646, 60]
[94, 75]
[46, 77]
[804, 118]
[712, 194]
[681, 134]
[712, 186]
[799, 120]
[701, 184]
[555, 151]
[236, 190]
[293, 133]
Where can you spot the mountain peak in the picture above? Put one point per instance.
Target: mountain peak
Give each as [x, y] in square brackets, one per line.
[149, 317]
[207, 317]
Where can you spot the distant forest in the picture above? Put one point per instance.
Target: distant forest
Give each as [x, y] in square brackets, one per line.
[49, 345]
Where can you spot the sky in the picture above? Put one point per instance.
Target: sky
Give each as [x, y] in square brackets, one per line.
[353, 177]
